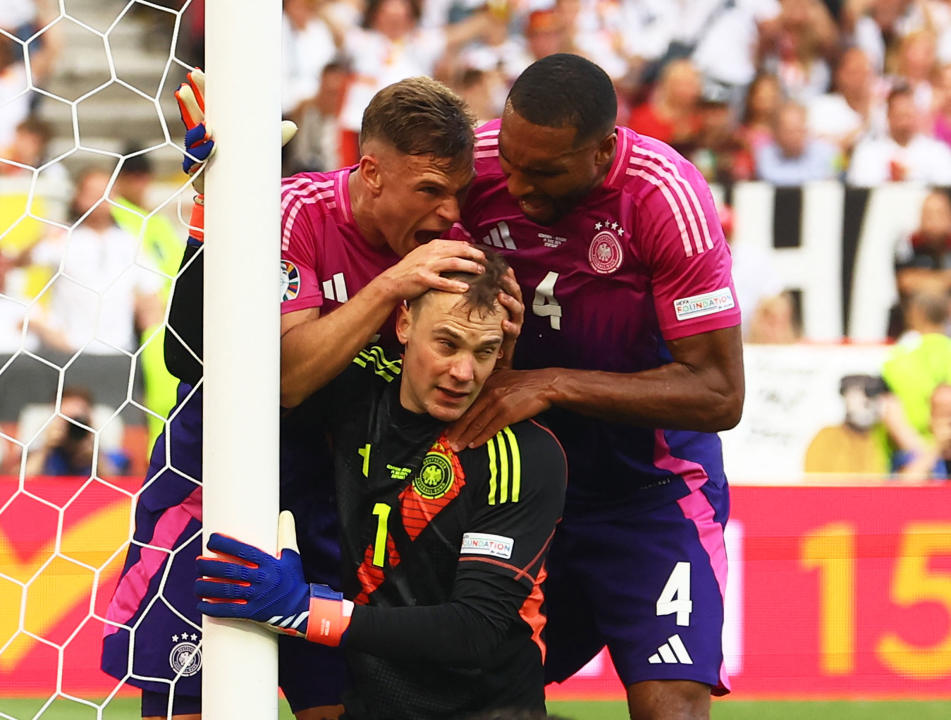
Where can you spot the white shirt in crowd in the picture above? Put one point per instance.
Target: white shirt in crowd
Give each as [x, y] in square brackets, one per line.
[923, 160]
[378, 62]
[305, 53]
[94, 297]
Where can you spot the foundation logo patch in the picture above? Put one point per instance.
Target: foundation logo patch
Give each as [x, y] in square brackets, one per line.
[185, 657]
[435, 476]
[290, 281]
[705, 304]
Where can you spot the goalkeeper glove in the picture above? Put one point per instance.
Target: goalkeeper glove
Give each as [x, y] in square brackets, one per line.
[200, 142]
[250, 584]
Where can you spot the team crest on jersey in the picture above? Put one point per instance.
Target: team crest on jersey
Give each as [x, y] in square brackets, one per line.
[435, 475]
[185, 657]
[605, 253]
[290, 280]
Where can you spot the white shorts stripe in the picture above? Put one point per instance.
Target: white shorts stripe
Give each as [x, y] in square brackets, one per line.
[665, 191]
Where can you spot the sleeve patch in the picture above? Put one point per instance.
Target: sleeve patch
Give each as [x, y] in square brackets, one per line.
[705, 304]
[290, 281]
[487, 544]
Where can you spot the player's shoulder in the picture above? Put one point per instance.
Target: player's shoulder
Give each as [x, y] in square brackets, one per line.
[318, 190]
[486, 149]
[526, 453]
[374, 361]
[646, 166]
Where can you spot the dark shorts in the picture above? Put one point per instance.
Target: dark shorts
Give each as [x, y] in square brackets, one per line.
[156, 704]
[153, 639]
[648, 585]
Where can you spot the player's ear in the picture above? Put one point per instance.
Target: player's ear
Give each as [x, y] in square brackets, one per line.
[605, 151]
[404, 322]
[370, 172]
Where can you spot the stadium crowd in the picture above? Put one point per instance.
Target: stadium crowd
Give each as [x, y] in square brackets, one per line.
[785, 91]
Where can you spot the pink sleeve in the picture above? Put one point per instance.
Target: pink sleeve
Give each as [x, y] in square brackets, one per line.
[689, 258]
[300, 286]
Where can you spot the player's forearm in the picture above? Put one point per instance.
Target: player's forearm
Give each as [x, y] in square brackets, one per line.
[314, 352]
[701, 389]
[674, 396]
[465, 632]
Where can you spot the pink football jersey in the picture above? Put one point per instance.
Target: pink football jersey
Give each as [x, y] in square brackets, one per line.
[324, 258]
[640, 261]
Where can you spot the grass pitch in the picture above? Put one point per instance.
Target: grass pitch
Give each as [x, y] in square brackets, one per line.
[125, 708]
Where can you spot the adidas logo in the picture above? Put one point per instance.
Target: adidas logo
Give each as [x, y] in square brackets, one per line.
[499, 237]
[671, 652]
[335, 288]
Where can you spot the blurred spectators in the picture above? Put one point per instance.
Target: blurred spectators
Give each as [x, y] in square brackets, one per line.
[762, 105]
[27, 151]
[919, 363]
[721, 153]
[797, 53]
[793, 157]
[68, 443]
[904, 153]
[923, 259]
[942, 104]
[856, 106]
[915, 62]
[941, 429]
[934, 461]
[857, 445]
[728, 41]
[309, 42]
[593, 30]
[102, 294]
[672, 114]
[873, 25]
[317, 145]
[392, 45]
[14, 99]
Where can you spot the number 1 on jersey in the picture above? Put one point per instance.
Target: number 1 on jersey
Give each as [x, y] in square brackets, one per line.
[382, 512]
[544, 304]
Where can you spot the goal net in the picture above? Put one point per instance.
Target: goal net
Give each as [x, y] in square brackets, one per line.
[93, 222]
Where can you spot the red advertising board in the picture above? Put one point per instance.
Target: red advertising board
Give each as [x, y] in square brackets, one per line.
[833, 591]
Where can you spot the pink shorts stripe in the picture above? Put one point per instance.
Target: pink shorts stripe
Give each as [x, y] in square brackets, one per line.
[134, 585]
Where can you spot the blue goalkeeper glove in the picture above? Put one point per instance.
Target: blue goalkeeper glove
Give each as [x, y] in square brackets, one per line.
[247, 583]
[199, 141]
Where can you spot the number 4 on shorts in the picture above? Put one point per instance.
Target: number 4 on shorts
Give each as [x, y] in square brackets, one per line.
[675, 597]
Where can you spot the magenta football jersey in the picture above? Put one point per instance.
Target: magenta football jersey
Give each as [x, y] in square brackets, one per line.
[641, 261]
[324, 258]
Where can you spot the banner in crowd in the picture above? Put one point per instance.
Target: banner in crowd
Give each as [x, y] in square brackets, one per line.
[832, 245]
[793, 395]
[833, 592]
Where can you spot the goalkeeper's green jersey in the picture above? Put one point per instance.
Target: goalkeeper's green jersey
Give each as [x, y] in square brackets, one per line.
[442, 552]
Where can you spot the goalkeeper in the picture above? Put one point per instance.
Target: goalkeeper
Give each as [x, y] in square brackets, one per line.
[346, 234]
[443, 552]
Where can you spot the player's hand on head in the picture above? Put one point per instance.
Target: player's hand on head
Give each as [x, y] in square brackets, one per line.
[511, 299]
[245, 582]
[508, 397]
[422, 269]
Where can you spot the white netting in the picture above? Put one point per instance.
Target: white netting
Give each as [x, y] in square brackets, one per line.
[88, 250]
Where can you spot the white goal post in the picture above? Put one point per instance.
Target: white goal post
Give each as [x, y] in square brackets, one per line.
[242, 329]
